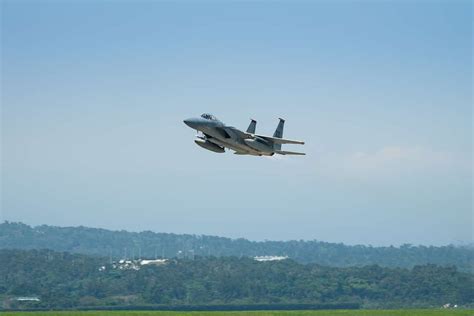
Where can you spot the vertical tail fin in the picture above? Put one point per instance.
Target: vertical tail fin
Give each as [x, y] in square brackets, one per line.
[279, 133]
[252, 126]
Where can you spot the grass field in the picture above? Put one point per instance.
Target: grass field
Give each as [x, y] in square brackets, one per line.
[407, 312]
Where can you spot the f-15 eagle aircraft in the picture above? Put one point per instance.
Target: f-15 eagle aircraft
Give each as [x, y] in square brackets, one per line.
[216, 136]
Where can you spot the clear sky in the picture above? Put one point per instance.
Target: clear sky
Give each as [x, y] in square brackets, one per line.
[94, 94]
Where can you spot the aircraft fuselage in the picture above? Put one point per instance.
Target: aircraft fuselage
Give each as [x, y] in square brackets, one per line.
[216, 136]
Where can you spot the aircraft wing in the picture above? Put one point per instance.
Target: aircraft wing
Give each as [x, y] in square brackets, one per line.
[277, 140]
[282, 152]
[233, 132]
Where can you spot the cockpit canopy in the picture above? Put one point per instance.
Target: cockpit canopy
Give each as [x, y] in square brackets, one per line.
[208, 116]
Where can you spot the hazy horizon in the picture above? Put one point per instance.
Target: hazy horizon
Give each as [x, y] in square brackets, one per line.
[94, 94]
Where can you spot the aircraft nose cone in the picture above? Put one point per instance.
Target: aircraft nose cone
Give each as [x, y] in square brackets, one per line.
[190, 122]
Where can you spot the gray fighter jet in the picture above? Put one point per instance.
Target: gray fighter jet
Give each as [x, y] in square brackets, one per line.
[215, 136]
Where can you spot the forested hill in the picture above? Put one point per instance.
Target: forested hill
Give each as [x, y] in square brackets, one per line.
[64, 280]
[123, 244]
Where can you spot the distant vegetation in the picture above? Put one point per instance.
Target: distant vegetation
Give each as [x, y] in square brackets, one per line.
[409, 312]
[123, 244]
[64, 280]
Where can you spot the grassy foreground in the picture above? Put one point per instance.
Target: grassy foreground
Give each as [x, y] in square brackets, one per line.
[407, 312]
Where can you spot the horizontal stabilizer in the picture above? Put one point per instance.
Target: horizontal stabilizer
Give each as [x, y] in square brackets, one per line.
[282, 152]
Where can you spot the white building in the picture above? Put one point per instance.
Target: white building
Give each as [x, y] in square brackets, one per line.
[27, 299]
[155, 262]
[270, 258]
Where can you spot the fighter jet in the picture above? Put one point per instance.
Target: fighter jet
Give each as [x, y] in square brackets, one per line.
[215, 136]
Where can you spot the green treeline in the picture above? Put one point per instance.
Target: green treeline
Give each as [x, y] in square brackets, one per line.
[64, 280]
[123, 244]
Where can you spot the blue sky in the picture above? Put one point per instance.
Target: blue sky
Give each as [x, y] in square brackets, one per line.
[94, 94]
